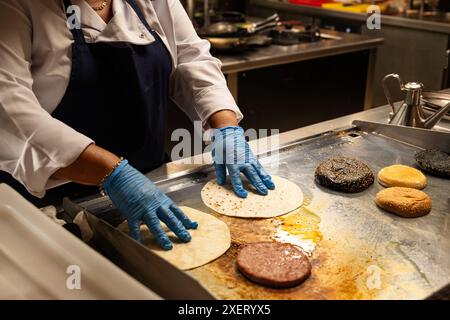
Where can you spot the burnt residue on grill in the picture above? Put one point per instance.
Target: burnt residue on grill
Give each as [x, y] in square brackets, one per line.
[355, 250]
[337, 272]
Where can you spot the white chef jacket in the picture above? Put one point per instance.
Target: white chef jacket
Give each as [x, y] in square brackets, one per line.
[35, 65]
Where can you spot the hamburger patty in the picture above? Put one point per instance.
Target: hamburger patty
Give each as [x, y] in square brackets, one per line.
[344, 174]
[274, 264]
[434, 162]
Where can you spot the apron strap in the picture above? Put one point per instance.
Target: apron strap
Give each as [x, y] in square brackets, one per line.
[76, 32]
[140, 14]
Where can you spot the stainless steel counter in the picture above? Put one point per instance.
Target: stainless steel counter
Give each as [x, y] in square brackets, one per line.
[428, 24]
[402, 50]
[357, 250]
[350, 240]
[335, 43]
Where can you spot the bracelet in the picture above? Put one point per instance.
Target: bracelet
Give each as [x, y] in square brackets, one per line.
[102, 182]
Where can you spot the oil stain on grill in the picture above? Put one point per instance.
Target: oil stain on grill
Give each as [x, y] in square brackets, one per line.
[338, 272]
[300, 228]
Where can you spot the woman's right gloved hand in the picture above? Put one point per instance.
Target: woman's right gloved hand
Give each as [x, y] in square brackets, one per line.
[139, 200]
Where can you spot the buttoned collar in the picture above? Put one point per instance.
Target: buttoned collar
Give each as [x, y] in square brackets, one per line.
[125, 25]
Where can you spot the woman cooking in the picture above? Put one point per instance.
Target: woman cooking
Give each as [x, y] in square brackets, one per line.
[75, 97]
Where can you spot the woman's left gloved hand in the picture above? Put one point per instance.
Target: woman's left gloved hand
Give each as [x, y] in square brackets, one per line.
[140, 200]
[231, 151]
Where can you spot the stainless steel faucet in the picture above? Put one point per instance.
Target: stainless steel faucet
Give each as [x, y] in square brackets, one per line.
[411, 113]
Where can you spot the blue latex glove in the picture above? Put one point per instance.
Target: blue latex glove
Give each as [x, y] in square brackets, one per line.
[231, 151]
[139, 200]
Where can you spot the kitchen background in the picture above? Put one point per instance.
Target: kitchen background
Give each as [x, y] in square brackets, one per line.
[335, 67]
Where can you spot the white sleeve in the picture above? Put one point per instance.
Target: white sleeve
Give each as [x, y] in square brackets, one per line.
[33, 145]
[198, 85]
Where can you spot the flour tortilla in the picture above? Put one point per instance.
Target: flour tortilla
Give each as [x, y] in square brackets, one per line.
[286, 197]
[209, 241]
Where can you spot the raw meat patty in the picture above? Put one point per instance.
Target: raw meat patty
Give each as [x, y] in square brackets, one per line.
[274, 264]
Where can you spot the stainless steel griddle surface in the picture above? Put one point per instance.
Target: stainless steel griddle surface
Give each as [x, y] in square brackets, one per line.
[357, 250]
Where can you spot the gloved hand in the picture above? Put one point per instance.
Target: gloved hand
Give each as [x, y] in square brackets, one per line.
[231, 151]
[139, 200]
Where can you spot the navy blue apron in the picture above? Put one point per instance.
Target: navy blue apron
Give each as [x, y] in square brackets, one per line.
[117, 96]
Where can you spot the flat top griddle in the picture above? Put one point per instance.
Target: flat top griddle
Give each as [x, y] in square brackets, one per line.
[357, 250]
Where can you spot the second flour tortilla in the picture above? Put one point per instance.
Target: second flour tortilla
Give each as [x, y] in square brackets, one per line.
[286, 197]
[209, 241]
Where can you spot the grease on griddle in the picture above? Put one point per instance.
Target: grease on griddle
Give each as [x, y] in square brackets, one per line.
[300, 228]
[434, 162]
[344, 174]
